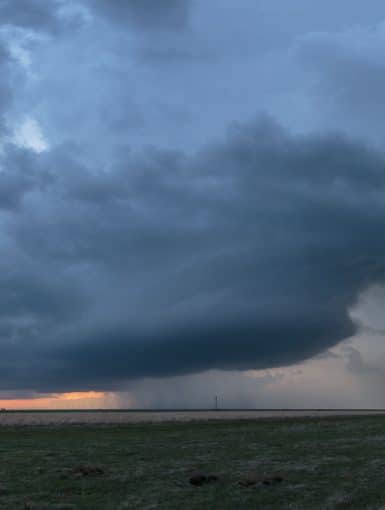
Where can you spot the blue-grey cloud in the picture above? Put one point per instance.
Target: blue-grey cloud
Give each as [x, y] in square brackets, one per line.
[350, 74]
[248, 254]
[5, 89]
[120, 260]
[145, 14]
[37, 15]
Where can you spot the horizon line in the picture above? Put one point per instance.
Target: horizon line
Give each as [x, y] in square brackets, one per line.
[186, 410]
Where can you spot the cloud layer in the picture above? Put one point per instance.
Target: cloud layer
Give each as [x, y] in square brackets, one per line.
[145, 14]
[138, 245]
[246, 255]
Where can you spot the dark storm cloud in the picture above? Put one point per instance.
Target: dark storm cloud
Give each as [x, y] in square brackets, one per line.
[16, 178]
[247, 255]
[145, 14]
[118, 264]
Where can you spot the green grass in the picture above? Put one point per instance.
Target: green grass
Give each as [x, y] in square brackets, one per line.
[326, 464]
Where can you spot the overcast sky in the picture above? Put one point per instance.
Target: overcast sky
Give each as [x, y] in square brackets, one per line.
[192, 201]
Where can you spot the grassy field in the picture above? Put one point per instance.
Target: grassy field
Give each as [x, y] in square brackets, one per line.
[328, 463]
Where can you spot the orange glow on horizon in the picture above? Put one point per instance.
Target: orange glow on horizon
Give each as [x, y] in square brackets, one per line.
[74, 400]
[78, 395]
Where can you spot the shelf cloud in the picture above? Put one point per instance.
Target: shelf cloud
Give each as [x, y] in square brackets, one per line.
[202, 199]
[247, 254]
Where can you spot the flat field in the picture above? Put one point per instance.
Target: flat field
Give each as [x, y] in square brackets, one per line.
[293, 463]
[119, 417]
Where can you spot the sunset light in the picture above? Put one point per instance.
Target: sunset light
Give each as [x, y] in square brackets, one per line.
[75, 400]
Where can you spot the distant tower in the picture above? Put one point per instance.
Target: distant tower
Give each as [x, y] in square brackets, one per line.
[216, 402]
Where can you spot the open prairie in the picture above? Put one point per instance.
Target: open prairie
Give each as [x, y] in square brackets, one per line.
[25, 418]
[293, 463]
